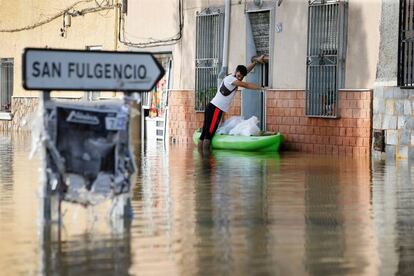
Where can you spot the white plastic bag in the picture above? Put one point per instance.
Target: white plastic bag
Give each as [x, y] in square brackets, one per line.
[229, 124]
[246, 128]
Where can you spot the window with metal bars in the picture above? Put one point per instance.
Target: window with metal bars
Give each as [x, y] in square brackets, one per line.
[325, 70]
[406, 44]
[209, 45]
[6, 83]
[260, 22]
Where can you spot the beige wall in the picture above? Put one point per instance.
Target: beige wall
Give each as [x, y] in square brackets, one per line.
[363, 43]
[149, 20]
[290, 45]
[289, 69]
[237, 39]
[362, 51]
[153, 20]
[90, 29]
[184, 52]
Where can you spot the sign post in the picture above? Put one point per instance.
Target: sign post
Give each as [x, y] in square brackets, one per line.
[105, 166]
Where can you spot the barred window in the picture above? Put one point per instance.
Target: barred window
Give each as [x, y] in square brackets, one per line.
[209, 45]
[325, 71]
[6, 83]
[406, 44]
[260, 25]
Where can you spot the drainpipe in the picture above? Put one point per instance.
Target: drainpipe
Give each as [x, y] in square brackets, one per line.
[224, 66]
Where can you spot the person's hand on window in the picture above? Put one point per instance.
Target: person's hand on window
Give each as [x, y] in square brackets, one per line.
[260, 59]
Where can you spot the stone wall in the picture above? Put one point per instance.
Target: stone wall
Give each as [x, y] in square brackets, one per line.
[348, 135]
[393, 117]
[22, 111]
[388, 47]
[394, 113]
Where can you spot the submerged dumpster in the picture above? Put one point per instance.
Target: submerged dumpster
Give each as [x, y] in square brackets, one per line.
[88, 154]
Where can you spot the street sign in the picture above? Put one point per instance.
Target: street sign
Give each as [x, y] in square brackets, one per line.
[58, 69]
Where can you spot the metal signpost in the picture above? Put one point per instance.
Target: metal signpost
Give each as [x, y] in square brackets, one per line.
[86, 148]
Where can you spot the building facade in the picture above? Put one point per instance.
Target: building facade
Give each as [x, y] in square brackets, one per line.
[337, 82]
[319, 80]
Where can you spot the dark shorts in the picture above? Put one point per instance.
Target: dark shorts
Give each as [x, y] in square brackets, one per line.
[212, 117]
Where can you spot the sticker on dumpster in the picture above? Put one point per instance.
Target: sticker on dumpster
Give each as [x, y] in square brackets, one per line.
[116, 123]
[82, 118]
[58, 69]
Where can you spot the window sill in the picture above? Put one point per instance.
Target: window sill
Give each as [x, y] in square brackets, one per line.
[5, 116]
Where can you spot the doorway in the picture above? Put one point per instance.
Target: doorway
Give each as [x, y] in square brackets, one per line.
[258, 42]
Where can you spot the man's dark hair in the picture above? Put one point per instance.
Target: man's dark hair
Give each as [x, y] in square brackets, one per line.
[242, 69]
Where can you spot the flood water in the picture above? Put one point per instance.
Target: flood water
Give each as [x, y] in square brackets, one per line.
[229, 213]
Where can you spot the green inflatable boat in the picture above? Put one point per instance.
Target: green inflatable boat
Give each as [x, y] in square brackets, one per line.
[245, 143]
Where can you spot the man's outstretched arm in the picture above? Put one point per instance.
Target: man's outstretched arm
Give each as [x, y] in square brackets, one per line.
[255, 60]
[247, 85]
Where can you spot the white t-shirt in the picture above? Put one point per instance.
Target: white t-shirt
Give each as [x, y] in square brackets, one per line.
[225, 93]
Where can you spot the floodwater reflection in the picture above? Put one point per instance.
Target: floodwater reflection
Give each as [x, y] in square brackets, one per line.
[228, 213]
[393, 202]
[88, 253]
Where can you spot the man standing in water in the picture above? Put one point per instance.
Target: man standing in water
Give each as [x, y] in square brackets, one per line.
[222, 101]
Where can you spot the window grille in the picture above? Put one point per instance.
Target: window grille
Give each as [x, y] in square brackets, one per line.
[209, 47]
[6, 83]
[325, 71]
[406, 44]
[260, 24]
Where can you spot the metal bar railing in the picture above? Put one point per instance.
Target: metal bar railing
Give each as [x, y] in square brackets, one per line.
[326, 24]
[401, 45]
[209, 29]
[406, 44]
